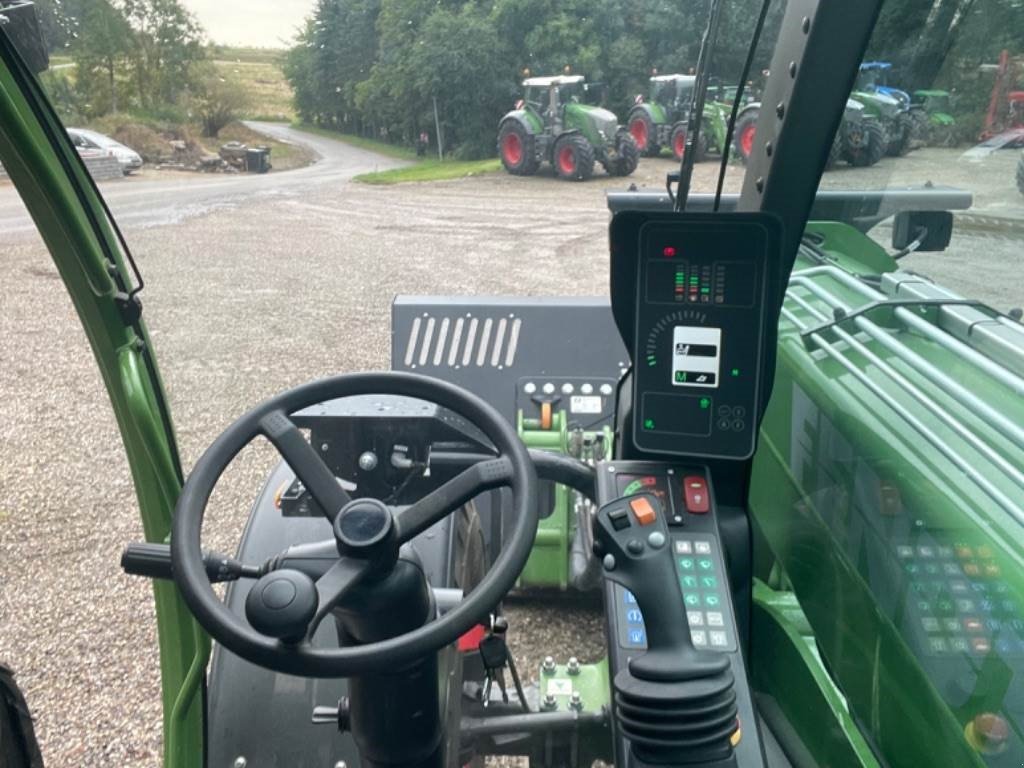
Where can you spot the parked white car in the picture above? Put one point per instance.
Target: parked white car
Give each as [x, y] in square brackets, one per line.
[84, 139]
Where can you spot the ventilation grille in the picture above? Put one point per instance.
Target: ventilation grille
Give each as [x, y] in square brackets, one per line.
[462, 342]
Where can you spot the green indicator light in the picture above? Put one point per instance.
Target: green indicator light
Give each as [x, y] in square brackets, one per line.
[648, 423]
[705, 290]
[735, 371]
[705, 403]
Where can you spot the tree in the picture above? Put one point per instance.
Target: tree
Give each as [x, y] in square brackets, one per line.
[167, 45]
[101, 51]
[218, 101]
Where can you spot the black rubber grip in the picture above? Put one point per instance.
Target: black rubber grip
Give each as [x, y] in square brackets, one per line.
[150, 560]
[154, 562]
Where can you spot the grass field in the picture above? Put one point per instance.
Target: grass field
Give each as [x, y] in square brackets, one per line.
[432, 170]
[258, 71]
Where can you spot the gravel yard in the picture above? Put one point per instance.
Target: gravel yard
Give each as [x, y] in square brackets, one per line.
[243, 303]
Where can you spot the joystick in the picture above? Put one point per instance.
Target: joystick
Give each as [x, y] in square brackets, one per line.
[676, 704]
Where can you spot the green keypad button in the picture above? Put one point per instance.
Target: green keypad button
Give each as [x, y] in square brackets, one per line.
[705, 564]
[712, 600]
[686, 563]
[709, 582]
[692, 600]
[688, 582]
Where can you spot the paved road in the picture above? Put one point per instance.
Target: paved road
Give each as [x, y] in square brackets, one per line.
[154, 200]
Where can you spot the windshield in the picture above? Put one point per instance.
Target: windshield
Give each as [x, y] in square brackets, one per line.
[301, 164]
[941, 558]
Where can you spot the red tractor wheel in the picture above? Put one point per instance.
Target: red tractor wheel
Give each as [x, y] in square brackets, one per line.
[679, 141]
[566, 160]
[516, 149]
[512, 149]
[644, 133]
[573, 158]
[746, 132]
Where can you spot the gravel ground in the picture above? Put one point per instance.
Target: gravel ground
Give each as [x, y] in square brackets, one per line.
[242, 303]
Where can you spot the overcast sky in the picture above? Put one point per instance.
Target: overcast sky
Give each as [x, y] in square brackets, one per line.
[263, 23]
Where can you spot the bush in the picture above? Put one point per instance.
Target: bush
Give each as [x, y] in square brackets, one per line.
[220, 101]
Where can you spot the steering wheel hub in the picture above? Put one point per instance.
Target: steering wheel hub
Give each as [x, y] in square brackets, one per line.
[365, 529]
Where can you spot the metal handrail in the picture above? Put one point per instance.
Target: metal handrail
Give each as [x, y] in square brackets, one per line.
[988, 414]
[1000, 498]
[1000, 373]
[937, 410]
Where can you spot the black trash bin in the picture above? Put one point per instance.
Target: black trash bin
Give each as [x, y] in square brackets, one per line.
[257, 159]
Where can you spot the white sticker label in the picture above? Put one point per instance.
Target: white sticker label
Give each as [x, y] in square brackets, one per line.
[558, 687]
[585, 404]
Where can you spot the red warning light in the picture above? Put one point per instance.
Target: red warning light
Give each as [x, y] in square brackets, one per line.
[669, 252]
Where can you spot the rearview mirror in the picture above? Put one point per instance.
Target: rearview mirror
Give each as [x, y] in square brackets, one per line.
[19, 22]
[935, 226]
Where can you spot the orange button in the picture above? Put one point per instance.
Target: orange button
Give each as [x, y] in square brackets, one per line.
[643, 510]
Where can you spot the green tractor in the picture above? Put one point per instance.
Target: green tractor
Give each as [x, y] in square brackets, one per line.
[933, 123]
[889, 105]
[660, 120]
[860, 141]
[552, 124]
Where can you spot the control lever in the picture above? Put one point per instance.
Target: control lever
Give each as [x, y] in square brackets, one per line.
[154, 561]
[674, 703]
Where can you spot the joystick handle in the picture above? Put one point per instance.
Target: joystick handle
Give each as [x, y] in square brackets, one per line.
[632, 533]
[675, 704]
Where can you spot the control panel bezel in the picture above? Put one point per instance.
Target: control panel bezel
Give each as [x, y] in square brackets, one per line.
[701, 307]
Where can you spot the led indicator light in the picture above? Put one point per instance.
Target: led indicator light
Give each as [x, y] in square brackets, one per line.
[669, 252]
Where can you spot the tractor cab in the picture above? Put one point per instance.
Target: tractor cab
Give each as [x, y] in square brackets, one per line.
[707, 471]
[550, 95]
[674, 91]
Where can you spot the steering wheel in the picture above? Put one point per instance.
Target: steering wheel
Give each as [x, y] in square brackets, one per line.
[367, 532]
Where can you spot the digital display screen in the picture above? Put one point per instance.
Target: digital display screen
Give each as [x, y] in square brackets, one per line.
[696, 356]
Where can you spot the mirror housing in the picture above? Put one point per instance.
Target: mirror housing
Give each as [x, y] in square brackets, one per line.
[19, 22]
[907, 226]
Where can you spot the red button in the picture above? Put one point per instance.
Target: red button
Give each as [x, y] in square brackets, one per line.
[695, 493]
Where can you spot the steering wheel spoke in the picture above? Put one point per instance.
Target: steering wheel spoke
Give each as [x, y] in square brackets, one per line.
[439, 503]
[333, 585]
[305, 462]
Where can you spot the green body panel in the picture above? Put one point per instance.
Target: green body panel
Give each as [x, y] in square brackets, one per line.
[841, 476]
[656, 111]
[548, 565]
[716, 123]
[789, 669]
[849, 249]
[528, 117]
[591, 681]
[586, 119]
[877, 105]
[941, 118]
[81, 252]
